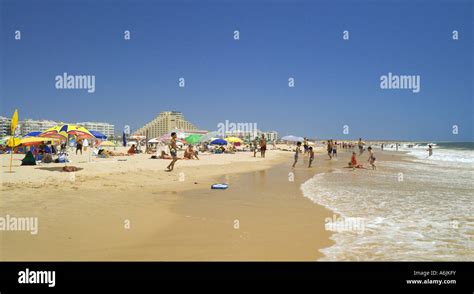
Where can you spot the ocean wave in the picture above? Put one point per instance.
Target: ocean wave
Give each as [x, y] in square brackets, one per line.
[420, 218]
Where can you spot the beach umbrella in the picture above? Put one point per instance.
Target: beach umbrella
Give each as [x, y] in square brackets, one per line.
[63, 131]
[32, 134]
[28, 141]
[107, 144]
[208, 137]
[193, 139]
[166, 138]
[291, 138]
[154, 140]
[98, 135]
[219, 142]
[233, 140]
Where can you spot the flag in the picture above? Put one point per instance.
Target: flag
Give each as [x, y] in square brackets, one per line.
[124, 138]
[14, 123]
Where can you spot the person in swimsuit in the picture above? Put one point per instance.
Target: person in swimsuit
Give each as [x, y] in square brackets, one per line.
[263, 146]
[311, 155]
[305, 145]
[173, 151]
[334, 149]
[353, 163]
[329, 148]
[297, 152]
[371, 159]
[79, 146]
[430, 150]
[255, 146]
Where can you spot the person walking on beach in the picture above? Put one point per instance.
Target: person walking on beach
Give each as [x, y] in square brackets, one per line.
[371, 159]
[381, 146]
[361, 146]
[173, 152]
[297, 152]
[263, 146]
[329, 149]
[311, 155]
[334, 149]
[430, 150]
[79, 145]
[305, 145]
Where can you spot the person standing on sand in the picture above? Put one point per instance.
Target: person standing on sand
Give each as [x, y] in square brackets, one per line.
[173, 152]
[381, 146]
[255, 146]
[371, 159]
[297, 152]
[334, 149]
[263, 146]
[430, 150]
[79, 145]
[311, 155]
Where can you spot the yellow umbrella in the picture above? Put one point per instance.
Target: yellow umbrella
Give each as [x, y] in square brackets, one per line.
[34, 140]
[233, 140]
[107, 144]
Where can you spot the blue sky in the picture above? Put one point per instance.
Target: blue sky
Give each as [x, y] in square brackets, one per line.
[337, 82]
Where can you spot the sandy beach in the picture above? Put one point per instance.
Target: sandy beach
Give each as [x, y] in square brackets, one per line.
[128, 208]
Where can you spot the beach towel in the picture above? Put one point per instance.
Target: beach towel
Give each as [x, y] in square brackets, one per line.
[29, 159]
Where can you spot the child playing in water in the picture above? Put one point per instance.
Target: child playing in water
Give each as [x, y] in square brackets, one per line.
[311, 155]
[353, 163]
[297, 152]
[371, 159]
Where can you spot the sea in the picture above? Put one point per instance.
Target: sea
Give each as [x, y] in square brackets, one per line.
[412, 208]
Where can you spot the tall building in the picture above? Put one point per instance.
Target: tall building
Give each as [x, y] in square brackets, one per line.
[165, 122]
[105, 128]
[5, 123]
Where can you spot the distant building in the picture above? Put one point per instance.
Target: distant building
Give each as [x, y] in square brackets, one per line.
[30, 125]
[5, 123]
[165, 122]
[105, 128]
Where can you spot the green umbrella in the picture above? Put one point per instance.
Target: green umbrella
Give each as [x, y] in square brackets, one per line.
[193, 139]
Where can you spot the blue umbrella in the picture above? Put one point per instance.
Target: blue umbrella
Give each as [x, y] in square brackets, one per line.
[32, 134]
[98, 135]
[219, 142]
